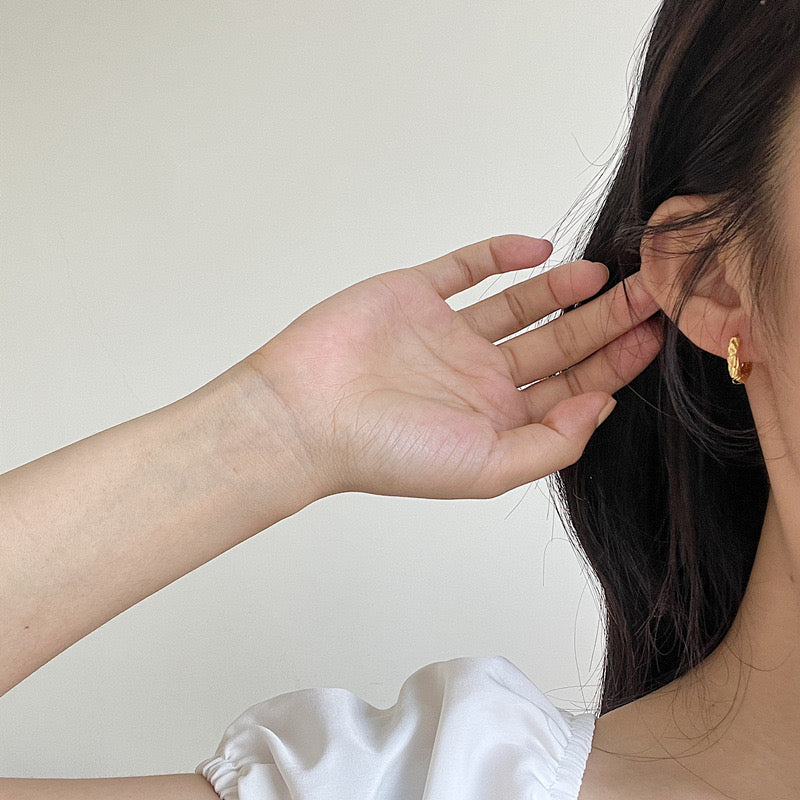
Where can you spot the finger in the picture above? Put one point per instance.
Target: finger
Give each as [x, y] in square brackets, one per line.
[469, 265]
[517, 307]
[608, 370]
[574, 336]
[528, 453]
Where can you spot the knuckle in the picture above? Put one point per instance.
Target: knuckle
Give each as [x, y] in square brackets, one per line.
[512, 359]
[463, 264]
[573, 381]
[492, 246]
[516, 308]
[622, 311]
[568, 340]
[634, 305]
[568, 449]
[551, 289]
[476, 318]
[617, 373]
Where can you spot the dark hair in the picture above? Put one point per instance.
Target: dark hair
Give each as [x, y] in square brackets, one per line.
[668, 499]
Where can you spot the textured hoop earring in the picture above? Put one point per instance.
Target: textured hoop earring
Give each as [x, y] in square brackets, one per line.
[738, 370]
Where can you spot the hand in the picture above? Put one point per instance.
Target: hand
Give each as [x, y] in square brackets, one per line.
[390, 391]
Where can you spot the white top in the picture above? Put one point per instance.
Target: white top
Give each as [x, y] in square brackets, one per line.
[465, 729]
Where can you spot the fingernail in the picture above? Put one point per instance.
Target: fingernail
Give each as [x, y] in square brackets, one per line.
[607, 409]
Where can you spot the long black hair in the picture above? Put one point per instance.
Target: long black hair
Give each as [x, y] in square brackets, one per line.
[668, 499]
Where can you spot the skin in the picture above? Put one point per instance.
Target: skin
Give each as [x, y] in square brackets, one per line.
[750, 686]
[382, 388]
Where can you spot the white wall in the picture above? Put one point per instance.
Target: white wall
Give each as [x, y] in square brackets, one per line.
[182, 178]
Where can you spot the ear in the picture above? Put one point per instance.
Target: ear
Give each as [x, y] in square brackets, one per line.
[719, 307]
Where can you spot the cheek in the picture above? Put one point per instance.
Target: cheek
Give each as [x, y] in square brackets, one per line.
[782, 310]
[783, 357]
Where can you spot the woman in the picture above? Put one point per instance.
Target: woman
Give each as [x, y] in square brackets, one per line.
[688, 515]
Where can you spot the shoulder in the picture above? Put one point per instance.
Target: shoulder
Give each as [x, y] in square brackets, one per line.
[458, 728]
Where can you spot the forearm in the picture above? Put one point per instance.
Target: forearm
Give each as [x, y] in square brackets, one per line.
[151, 787]
[93, 528]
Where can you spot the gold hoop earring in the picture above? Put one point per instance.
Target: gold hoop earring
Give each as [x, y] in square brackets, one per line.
[738, 370]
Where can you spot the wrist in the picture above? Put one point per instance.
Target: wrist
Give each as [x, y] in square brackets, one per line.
[254, 437]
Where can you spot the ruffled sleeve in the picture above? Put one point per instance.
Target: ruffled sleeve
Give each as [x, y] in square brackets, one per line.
[465, 729]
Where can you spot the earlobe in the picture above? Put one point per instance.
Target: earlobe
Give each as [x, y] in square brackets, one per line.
[718, 307]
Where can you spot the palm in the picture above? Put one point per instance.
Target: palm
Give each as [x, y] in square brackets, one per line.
[405, 396]
[414, 375]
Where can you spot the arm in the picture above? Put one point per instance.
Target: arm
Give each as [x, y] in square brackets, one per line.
[91, 529]
[357, 394]
[382, 388]
[151, 787]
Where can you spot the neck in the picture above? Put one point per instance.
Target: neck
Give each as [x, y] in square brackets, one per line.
[731, 728]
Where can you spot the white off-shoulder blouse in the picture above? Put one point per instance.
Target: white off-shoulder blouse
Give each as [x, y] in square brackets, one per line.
[465, 729]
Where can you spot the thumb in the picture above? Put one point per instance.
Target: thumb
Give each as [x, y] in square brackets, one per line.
[528, 453]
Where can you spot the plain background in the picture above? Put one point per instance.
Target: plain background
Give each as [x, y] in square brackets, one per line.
[182, 179]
